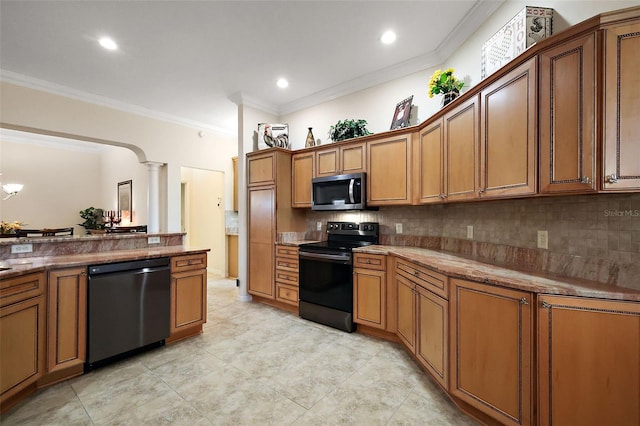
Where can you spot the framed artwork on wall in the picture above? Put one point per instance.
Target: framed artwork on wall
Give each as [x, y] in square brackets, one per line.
[125, 196]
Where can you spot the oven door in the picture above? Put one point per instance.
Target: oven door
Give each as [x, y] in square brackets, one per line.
[326, 279]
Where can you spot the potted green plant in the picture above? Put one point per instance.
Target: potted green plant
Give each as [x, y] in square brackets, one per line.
[445, 83]
[348, 129]
[93, 219]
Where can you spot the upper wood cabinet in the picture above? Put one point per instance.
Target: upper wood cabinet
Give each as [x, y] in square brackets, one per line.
[339, 160]
[389, 170]
[429, 165]
[302, 172]
[462, 151]
[491, 350]
[589, 361]
[509, 134]
[261, 168]
[621, 153]
[568, 117]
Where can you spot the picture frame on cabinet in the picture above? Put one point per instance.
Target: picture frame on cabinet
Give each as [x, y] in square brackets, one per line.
[402, 114]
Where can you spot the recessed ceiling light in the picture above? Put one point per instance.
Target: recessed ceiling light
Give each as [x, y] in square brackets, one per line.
[108, 43]
[388, 37]
[282, 83]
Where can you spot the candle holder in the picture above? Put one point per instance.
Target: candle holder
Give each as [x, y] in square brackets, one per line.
[112, 218]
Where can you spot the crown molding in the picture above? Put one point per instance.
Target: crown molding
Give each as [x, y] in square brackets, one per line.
[240, 98]
[68, 92]
[16, 136]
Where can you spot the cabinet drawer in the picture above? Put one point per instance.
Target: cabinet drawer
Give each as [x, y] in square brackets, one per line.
[369, 261]
[287, 264]
[21, 288]
[424, 277]
[287, 251]
[188, 262]
[286, 277]
[287, 294]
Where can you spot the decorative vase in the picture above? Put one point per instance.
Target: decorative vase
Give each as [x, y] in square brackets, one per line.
[449, 96]
[310, 140]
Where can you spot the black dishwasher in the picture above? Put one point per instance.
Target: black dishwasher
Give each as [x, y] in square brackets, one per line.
[128, 309]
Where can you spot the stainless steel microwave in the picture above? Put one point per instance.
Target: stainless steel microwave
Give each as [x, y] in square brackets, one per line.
[341, 192]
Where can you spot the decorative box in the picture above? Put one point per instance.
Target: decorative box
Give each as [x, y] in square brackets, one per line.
[530, 25]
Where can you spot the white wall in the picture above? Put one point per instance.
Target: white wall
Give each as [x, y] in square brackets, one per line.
[153, 140]
[60, 180]
[377, 104]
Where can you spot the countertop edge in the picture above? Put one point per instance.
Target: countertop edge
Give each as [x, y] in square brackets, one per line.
[22, 266]
[474, 270]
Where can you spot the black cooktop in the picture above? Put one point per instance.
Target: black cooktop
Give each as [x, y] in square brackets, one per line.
[345, 236]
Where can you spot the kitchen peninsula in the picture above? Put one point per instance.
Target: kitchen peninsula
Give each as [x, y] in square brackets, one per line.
[43, 301]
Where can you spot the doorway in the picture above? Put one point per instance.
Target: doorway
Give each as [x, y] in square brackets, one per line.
[203, 219]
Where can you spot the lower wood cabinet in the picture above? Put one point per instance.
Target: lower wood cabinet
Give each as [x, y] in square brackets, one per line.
[286, 273]
[23, 336]
[188, 294]
[422, 318]
[369, 290]
[67, 328]
[491, 350]
[589, 361]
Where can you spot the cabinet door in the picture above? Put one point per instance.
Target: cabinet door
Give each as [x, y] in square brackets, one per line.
[462, 151]
[369, 298]
[389, 166]
[589, 358]
[509, 134]
[406, 312]
[66, 340]
[353, 158]
[188, 299]
[302, 171]
[327, 162]
[432, 334]
[491, 349]
[261, 169]
[568, 117]
[622, 108]
[22, 345]
[261, 227]
[429, 164]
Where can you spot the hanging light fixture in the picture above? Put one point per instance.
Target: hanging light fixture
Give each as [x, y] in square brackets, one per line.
[11, 189]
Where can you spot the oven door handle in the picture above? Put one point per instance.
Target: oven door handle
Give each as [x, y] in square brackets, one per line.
[321, 256]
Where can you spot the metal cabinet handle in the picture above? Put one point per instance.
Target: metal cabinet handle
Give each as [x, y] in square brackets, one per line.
[523, 301]
[586, 180]
[480, 191]
[612, 178]
[546, 305]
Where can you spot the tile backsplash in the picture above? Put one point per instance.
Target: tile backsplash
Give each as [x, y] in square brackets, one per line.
[594, 233]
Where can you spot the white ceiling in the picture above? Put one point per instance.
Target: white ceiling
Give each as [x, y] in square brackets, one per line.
[190, 60]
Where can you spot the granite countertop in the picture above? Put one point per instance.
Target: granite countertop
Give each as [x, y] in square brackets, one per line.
[25, 265]
[460, 267]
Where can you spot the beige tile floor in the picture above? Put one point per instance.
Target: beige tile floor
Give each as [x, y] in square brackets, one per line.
[253, 365]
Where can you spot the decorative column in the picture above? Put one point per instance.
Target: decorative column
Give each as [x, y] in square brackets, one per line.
[153, 199]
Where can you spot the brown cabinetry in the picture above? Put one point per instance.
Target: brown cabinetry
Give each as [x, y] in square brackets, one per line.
[568, 117]
[287, 274]
[303, 170]
[508, 162]
[389, 170]
[66, 339]
[428, 157]
[343, 159]
[188, 294]
[23, 337]
[369, 290]
[491, 350]
[268, 212]
[589, 358]
[621, 150]
[423, 321]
